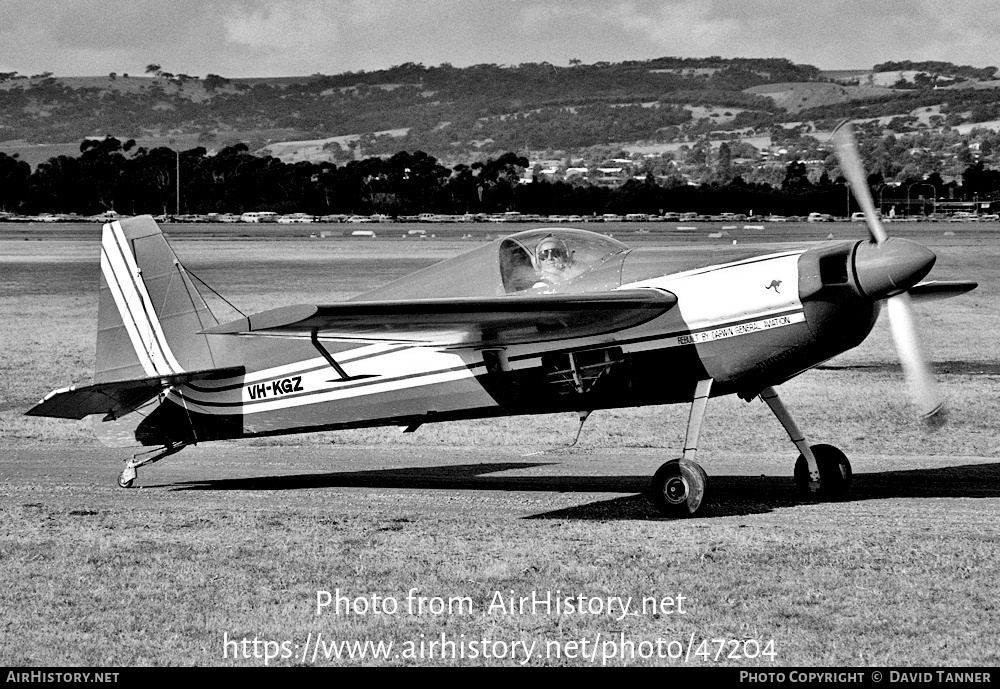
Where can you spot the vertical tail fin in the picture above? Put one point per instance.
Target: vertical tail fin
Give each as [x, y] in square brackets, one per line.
[150, 311]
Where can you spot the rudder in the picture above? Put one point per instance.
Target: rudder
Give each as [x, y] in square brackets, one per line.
[150, 311]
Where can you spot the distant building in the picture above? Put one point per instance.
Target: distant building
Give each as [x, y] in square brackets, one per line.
[611, 176]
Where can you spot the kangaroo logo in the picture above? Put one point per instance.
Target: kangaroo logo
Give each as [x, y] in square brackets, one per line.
[774, 284]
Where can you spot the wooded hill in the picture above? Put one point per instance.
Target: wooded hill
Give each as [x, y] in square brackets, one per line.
[465, 114]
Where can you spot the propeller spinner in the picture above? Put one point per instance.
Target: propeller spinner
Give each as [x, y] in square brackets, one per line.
[890, 267]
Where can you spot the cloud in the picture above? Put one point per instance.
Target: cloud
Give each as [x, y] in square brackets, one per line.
[86, 37]
[92, 24]
[301, 37]
[287, 37]
[831, 35]
[305, 26]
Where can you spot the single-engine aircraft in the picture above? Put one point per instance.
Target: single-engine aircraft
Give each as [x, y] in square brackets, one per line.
[544, 320]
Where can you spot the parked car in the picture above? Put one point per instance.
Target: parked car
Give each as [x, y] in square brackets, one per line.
[819, 217]
[259, 216]
[295, 218]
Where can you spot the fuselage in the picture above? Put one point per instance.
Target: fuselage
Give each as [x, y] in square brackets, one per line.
[746, 322]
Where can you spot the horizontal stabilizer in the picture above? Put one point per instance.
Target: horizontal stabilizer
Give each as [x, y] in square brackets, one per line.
[461, 321]
[117, 398]
[941, 289]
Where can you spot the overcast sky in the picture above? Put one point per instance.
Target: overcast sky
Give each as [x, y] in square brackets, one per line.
[238, 38]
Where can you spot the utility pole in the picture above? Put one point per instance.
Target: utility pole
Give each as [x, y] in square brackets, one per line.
[178, 176]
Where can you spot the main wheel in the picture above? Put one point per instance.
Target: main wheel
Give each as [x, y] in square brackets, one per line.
[834, 474]
[678, 488]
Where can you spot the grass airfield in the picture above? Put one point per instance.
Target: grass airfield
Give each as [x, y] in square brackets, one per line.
[233, 540]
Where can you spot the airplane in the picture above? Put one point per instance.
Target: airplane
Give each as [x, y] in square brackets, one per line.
[544, 320]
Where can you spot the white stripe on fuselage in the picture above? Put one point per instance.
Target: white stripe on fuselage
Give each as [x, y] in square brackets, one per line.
[717, 302]
[298, 367]
[392, 371]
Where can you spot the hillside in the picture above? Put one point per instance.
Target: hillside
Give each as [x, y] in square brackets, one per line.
[796, 97]
[468, 114]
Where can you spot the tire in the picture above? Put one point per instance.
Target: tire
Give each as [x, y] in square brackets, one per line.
[834, 474]
[678, 488]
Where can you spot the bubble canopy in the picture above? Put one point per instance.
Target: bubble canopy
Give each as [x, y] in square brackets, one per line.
[510, 265]
[579, 252]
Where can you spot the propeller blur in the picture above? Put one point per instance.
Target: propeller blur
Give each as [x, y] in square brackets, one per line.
[896, 263]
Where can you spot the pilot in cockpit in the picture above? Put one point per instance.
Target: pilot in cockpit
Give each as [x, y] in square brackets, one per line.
[553, 261]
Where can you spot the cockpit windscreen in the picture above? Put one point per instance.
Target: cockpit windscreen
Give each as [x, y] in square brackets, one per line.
[548, 257]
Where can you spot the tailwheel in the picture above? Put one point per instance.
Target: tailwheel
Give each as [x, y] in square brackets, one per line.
[130, 472]
[127, 477]
[678, 488]
[834, 474]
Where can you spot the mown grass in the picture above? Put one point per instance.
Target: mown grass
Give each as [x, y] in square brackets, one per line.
[93, 575]
[157, 577]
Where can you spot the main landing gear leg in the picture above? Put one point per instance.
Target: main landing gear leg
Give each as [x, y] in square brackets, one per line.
[678, 487]
[130, 473]
[821, 471]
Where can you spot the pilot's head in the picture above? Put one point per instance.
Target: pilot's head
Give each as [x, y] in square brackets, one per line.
[553, 260]
[552, 251]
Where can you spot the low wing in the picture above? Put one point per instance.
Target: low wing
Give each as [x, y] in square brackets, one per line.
[117, 398]
[941, 289]
[461, 322]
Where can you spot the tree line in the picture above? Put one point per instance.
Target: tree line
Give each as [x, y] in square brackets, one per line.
[112, 175]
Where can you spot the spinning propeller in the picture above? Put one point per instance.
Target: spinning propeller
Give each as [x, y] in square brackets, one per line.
[886, 267]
